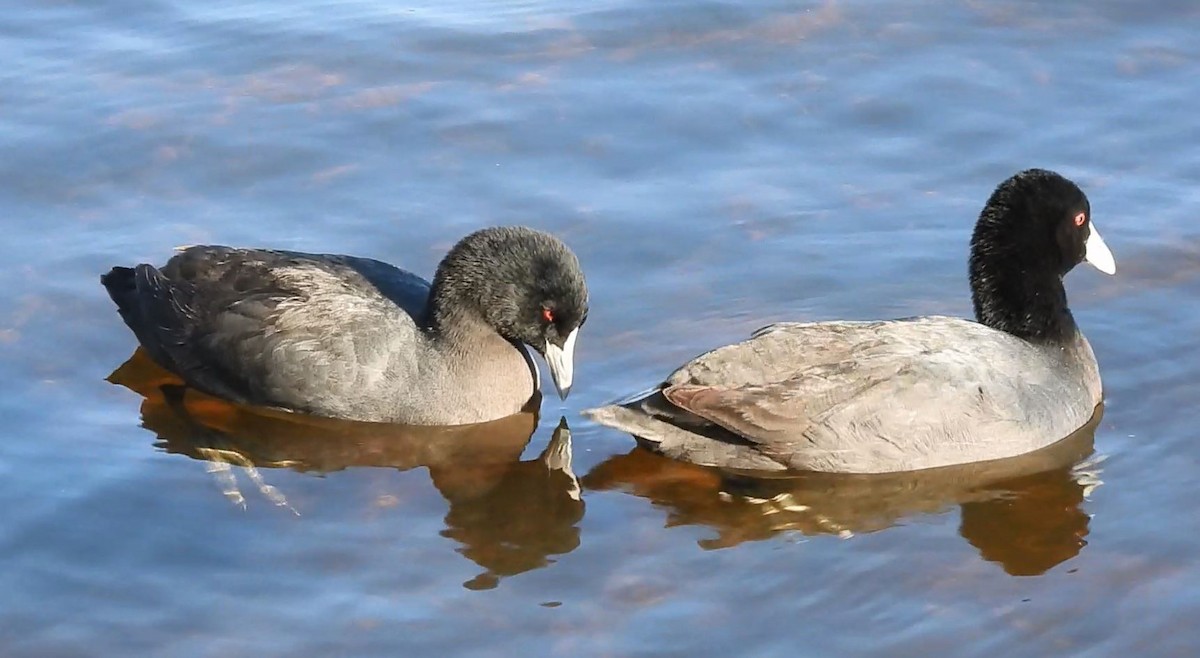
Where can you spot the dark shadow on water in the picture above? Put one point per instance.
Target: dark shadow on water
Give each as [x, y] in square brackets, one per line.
[510, 516]
[1022, 513]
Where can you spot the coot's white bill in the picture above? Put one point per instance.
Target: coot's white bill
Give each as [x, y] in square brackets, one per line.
[1097, 253]
[562, 363]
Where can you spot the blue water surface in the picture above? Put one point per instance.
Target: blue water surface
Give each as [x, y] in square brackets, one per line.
[717, 166]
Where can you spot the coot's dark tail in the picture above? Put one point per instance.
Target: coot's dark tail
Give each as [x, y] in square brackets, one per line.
[160, 313]
[121, 287]
[146, 302]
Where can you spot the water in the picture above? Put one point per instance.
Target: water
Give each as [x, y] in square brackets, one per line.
[716, 166]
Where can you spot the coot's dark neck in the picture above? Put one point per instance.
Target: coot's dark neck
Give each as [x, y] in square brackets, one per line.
[466, 300]
[1025, 299]
[451, 312]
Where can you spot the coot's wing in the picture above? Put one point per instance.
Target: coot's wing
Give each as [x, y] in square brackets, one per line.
[861, 396]
[263, 326]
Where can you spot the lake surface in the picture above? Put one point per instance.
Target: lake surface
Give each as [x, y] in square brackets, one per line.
[716, 166]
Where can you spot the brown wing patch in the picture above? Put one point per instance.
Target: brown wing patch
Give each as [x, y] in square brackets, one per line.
[762, 414]
[692, 396]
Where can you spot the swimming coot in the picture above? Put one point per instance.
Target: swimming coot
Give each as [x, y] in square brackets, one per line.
[900, 395]
[355, 338]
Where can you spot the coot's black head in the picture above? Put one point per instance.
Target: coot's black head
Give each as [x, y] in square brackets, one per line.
[525, 284]
[1035, 228]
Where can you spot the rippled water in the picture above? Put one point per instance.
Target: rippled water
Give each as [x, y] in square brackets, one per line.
[716, 166]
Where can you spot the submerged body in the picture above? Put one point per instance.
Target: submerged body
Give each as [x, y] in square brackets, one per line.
[335, 336]
[867, 397]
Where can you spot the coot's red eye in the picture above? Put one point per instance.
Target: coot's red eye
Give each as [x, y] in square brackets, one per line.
[547, 315]
[1080, 219]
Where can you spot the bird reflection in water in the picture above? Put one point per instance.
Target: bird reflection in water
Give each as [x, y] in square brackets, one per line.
[1023, 513]
[510, 516]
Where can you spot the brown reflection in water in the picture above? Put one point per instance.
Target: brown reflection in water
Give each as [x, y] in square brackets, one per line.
[1022, 513]
[510, 516]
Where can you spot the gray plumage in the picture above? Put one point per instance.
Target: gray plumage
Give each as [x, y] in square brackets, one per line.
[866, 397]
[356, 338]
[901, 395]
